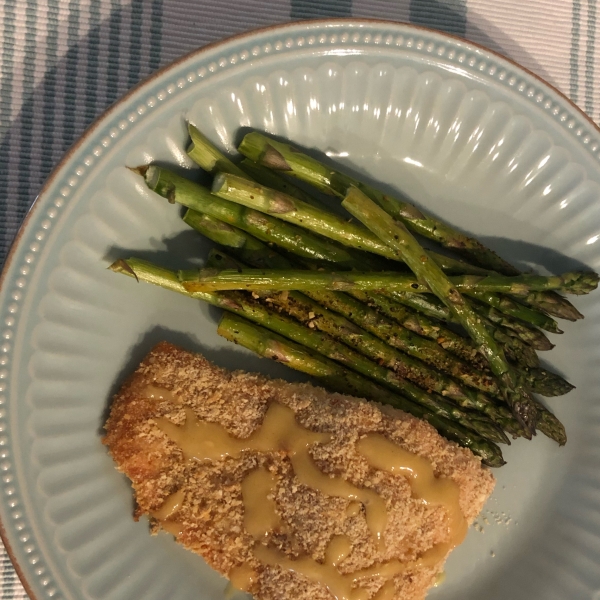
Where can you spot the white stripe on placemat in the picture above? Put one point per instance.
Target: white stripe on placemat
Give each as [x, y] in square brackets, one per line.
[536, 34]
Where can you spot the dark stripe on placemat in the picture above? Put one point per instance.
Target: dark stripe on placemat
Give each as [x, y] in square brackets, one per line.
[446, 15]
[20, 203]
[6, 92]
[315, 9]
[71, 74]
[48, 90]
[135, 43]
[155, 35]
[112, 93]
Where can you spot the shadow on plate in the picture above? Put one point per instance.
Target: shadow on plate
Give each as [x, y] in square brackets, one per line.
[185, 250]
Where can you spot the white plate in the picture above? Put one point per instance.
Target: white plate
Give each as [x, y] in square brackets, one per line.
[467, 134]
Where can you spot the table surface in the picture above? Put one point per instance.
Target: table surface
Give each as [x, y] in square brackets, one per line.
[63, 62]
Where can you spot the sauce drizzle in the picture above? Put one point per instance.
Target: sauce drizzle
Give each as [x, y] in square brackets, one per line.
[203, 441]
[260, 514]
[280, 432]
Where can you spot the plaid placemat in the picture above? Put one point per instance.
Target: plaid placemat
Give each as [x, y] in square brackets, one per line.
[63, 62]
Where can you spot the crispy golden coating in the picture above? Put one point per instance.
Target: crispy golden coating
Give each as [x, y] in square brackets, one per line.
[211, 517]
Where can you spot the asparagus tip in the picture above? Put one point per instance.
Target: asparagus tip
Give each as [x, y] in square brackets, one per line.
[495, 461]
[551, 427]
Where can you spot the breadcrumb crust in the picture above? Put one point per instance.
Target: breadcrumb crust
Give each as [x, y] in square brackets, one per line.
[211, 516]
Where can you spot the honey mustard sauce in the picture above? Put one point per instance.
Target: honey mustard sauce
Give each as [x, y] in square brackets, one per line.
[241, 578]
[260, 513]
[170, 506]
[169, 509]
[383, 454]
[326, 574]
[172, 527]
[280, 431]
[159, 393]
[338, 549]
[386, 592]
[200, 440]
[353, 509]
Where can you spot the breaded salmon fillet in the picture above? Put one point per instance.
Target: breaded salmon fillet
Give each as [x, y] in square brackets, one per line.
[291, 491]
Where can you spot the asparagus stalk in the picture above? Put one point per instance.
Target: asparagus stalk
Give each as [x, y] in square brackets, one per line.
[517, 351]
[216, 230]
[553, 304]
[546, 383]
[274, 279]
[244, 305]
[268, 229]
[402, 241]
[291, 210]
[513, 327]
[247, 247]
[550, 426]
[337, 378]
[283, 157]
[519, 311]
[204, 153]
[273, 180]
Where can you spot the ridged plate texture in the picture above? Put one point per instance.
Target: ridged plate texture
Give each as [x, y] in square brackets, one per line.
[467, 135]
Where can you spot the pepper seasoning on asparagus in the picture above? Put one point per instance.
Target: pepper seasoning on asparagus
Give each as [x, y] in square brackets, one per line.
[397, 236]
[359, 314]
